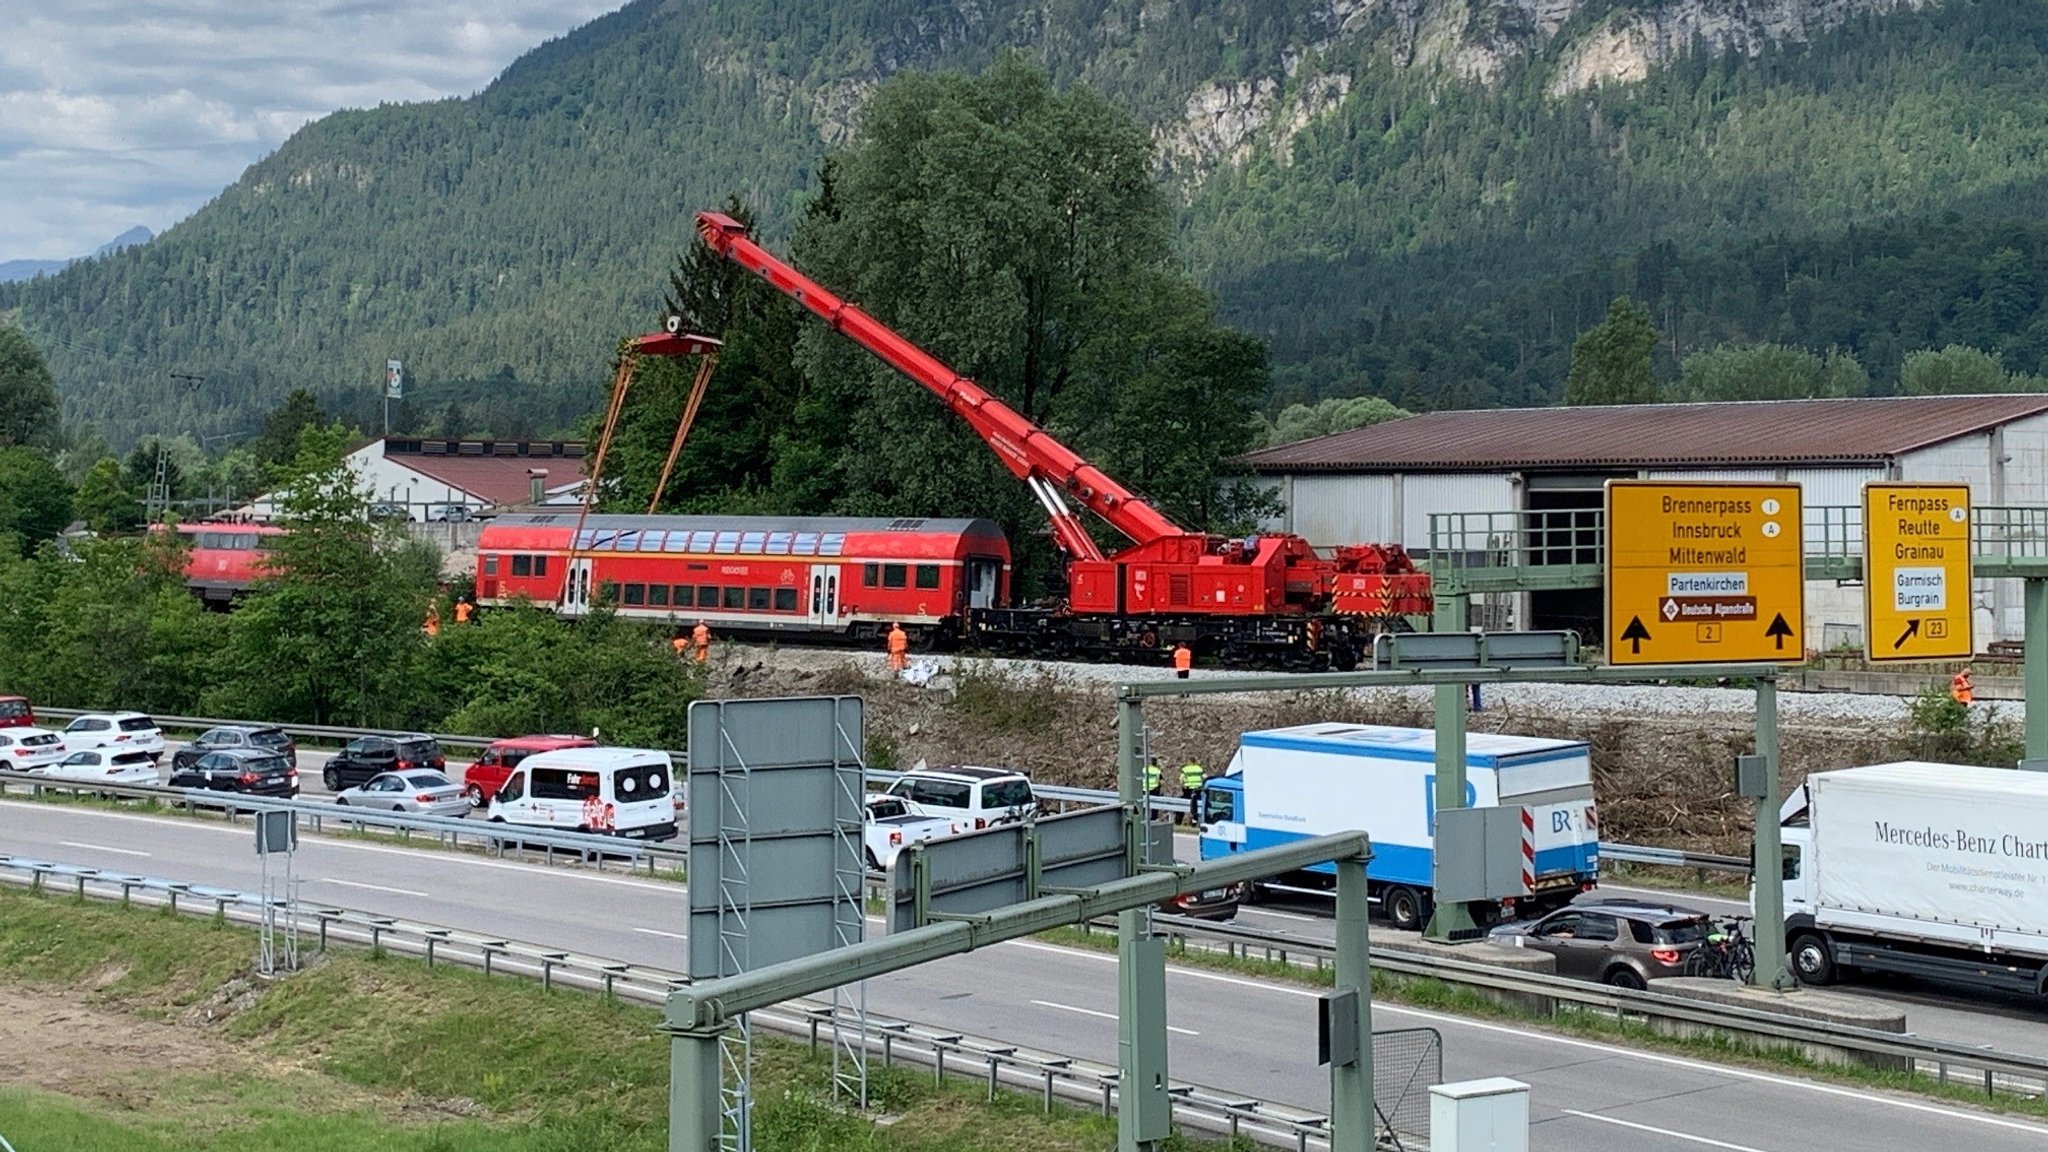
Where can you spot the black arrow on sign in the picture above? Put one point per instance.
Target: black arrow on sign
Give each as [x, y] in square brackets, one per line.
[1912, 630]
[1779, 630]
[1635, 634]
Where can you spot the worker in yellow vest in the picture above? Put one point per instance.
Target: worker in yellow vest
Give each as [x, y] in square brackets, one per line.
[1191, 779]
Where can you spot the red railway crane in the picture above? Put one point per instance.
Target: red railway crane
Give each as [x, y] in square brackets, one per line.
[1266, 599]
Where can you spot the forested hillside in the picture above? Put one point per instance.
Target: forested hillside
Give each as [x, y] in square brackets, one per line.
[1423, 199]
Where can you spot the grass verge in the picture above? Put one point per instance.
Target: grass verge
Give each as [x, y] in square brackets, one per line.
[153, 1037]
[1458, 1000]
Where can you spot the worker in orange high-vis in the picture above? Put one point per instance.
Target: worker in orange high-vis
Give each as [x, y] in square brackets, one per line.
[899, 648]
[680, 644]
[1183, 659]
[1961, 689]
[463, 609]
[433, 625]
[700, 638]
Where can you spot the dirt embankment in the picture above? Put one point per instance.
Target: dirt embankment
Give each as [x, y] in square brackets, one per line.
[1663, 777]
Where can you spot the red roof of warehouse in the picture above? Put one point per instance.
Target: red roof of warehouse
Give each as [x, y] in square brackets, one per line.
[492, 470]
[1857, 430]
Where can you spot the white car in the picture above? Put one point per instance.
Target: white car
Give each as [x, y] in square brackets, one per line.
[976, 797]
[127, 731]
[894, 824]
[105, 766]
[26, 749]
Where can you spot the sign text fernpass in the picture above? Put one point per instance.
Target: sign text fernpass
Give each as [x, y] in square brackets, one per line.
[1916, 564]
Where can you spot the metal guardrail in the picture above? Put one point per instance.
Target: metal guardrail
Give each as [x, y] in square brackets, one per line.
[2012, 1071]
[451, 831]
[999, 1065]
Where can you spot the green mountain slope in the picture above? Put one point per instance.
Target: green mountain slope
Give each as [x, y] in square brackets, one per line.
[1423, 198]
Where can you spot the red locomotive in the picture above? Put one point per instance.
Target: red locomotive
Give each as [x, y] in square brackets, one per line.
[811, 576]
[224, 559]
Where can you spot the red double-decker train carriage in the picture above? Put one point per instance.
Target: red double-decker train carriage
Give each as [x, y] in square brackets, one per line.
[792, 576]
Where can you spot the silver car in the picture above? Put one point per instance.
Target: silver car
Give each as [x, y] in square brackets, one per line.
[420, 793]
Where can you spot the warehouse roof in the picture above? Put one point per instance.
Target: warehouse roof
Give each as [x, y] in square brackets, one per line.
[1858, 430]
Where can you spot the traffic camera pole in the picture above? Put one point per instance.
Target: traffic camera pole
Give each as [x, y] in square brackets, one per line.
[1144, 1117]
[1767, 868]
[1451, 920]
[1352, 1127]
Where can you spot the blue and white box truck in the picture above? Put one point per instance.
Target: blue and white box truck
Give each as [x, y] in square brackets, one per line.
[1288, 784]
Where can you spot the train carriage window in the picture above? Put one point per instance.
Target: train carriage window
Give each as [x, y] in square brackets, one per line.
[726, 542]
[651, 541]
[522, 565]
[833, 544]
[778, 543]
[209, 539]
[753, 542]
[602, 539]
[657, 595]
[540, 565]
[870, 575]
[608, 592]
[636, 595]
[927, 575]
[806, 544]
[700, 540]
[685, 596]
[785, 599]
[757, 599]
[244, 541]
[678, 541]
[895, 575]
[735, 597]
[707, 595]
[490, 565]
[627, 542]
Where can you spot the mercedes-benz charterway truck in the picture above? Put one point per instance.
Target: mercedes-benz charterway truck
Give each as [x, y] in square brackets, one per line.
[1314, 779]
[1938, 871]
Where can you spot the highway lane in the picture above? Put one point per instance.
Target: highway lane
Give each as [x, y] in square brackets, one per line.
[1233, 1033]
[2002, 1020]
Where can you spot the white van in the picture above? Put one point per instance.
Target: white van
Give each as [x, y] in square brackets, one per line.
[626, 792]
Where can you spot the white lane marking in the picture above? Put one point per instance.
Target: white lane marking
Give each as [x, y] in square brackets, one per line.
[242, 832]
[1104, 1015]
[659, 932]
[1659, 1131]
[101, 848]
[1589, 1046]
[371, 887]
[1285, 915]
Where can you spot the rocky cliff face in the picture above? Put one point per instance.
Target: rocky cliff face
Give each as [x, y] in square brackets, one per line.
[1588, 43]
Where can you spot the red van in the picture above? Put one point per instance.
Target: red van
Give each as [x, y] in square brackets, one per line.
[482, 779]
[15, 712]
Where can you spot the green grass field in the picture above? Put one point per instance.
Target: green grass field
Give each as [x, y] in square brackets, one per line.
[131, 1030]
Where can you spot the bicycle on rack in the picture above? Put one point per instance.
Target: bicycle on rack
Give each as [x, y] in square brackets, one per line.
[1727, 953]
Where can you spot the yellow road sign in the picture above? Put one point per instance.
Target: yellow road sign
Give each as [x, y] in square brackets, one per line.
[1700, 572]
[1916, 571]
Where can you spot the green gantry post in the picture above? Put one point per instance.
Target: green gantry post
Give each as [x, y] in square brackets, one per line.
[1144, 1117]
[695, 1111]
[1450, 920]
[1351, 1104]
[1768, 865]
[2036, 705]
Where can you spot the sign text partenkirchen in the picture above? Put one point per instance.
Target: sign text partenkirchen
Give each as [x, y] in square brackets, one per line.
[1916, 572]
[1704, 572]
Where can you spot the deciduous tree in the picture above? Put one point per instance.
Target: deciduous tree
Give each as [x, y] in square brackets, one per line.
[1611, 360]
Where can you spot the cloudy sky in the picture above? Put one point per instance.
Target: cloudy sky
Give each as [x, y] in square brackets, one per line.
[114, 114]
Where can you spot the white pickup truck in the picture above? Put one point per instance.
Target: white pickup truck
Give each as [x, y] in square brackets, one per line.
[894, 823]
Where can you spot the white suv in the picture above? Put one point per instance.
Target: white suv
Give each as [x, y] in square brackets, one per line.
[977, 797]
[123, 731]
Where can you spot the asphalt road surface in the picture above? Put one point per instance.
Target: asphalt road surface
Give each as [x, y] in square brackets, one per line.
[1230, 1032]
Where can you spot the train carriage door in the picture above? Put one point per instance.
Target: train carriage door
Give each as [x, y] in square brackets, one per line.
[982, 575]
[824, 602]
[576, 589]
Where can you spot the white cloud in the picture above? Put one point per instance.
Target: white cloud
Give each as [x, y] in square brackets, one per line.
[122, 112]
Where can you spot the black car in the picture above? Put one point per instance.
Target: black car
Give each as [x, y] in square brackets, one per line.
[262, 738]
[375, 755]
[248, 771]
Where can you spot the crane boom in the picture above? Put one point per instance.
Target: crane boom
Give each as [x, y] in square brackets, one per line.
[1049, 468]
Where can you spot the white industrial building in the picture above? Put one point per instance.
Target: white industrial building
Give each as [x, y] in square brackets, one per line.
[433, 479]
[1384, 483]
